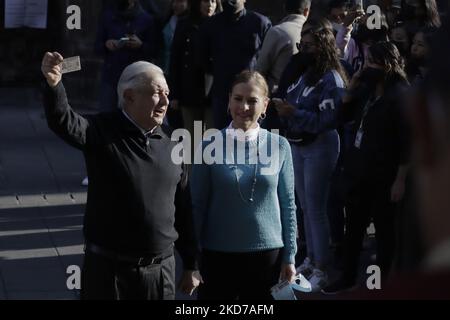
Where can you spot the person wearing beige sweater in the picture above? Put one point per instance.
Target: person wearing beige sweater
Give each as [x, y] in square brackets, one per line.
[281, 42]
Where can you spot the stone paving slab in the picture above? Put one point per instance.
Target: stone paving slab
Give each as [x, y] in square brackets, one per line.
[19, 214]
[72, 260]
[32, 200]
[9, 202]
[41, 202]
[70, 250]
[23, 242]
[34, 277]
[15, 124]
[27, 171]
[59, 199]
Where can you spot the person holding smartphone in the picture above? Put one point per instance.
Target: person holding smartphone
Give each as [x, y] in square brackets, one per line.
[126, 34]
[309, 114]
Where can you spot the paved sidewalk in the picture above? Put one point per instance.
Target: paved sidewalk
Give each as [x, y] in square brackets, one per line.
[41, 202]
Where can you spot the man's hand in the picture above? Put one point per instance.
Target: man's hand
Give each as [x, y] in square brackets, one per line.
[112, 45]
[51, 68]
[190, 281]
[288, 273]
[134, 43]
[283, 108]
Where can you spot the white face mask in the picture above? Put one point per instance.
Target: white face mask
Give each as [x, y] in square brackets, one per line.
[336, 26]
[285, 290]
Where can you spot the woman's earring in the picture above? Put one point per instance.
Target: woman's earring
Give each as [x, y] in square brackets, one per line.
[263, 116]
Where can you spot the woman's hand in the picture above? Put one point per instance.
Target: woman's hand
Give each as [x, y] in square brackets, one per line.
[283, 108]
[288, 273]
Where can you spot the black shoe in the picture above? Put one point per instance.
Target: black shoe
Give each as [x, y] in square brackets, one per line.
[339, 286]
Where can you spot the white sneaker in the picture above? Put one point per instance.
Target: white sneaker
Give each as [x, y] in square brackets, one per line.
[318, 280]
[85, 182]
[306, 268]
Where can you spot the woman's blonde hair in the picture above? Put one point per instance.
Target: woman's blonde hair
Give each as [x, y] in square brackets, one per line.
[252, 76]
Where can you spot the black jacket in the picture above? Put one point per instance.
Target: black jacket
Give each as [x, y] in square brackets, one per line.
[385, 142]
[137, 196]
[232, 45]
[186, 77]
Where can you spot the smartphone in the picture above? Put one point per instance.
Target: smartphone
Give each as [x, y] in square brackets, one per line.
[123, 41]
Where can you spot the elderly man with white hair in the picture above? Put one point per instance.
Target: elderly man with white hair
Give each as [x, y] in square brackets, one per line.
[138, 204]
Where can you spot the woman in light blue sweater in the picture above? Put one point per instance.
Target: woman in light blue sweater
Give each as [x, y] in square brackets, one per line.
[309, 115]
[243, 201]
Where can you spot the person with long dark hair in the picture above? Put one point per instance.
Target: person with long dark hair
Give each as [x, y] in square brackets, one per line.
[375, 167]
[309, 115]
[419, 14]
[296, 67]
[400, 37]
[417, 66]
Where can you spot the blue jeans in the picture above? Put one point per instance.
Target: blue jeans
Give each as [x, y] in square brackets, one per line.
[313, 166]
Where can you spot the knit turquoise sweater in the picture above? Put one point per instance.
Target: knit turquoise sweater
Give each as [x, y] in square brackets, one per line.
[225, 219]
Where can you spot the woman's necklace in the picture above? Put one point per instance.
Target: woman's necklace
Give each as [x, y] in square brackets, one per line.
[254, 181]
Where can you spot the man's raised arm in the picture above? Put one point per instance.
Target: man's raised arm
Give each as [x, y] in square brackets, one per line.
[61, 119]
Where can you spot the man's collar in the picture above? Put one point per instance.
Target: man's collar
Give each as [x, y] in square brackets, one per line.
[135, 124]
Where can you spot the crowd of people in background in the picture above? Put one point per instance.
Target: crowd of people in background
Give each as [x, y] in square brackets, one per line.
[334, 87]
